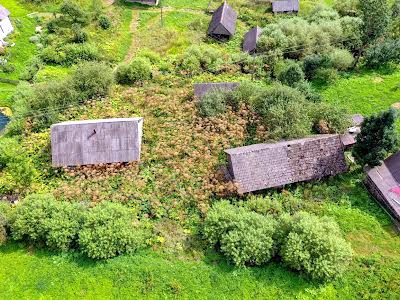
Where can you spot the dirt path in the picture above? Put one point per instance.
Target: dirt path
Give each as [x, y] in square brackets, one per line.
[133, 29]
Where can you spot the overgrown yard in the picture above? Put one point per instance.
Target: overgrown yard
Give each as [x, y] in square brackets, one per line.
[171, 226]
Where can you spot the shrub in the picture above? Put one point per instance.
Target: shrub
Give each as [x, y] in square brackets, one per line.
[313, 63]
[284, 111]
[245, 93]
[382, 53]
[75, 53]
[375, 15]
[314, 245]
[108, 231]
[352, 29]
[92, 80]
[138, 71]
[212, 104]
[341, 59]
[329, 119]
[8, 68]
[396, 9]
[17, 170]
[326, 75]
[4, 219]
[104, 22]
[198, 58]
[244, 237]
[291, 75]
[51, 55]
[73, 12]
[31, 69]
[264, 205]
[378, 138]
[309, 93]
[79, 36]
[346, 7]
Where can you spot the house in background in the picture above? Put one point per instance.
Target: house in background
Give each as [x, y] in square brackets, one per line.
[5, 24]
[286, 6]
[251, 39]
[223, 22]
[147, 2]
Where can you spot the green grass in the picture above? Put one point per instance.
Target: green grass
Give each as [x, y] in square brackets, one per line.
[198, 4]
[365, 93]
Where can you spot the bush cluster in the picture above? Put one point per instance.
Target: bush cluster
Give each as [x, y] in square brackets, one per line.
[285, 111]
[138, 71]
[197, 59]
[383, 53]
[102, 232]
[304, 242]
[43, 102]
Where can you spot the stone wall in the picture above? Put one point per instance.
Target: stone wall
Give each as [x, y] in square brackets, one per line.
[96, 141]
[263, 166]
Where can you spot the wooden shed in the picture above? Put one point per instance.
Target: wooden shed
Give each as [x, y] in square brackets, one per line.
[251, 39]
[146, 2]
[223, 22]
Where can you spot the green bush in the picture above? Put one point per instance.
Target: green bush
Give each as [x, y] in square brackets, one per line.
[246, 238]
[8, 68]
[341, 59]
[284, 111]
[352, 29]
[17, 171]
[79, 36]
[291, 75]
[51, 55]
[313, 63]
[326, 75]
[4, 221]
[104, 22]
[201, 58]
[41, 219]
[245, 93]
[329, 119]
[108, 231]
[31, 69]
[212, 104]
[72, 12]
[346, 7]
[92, 80]
[75, 53]
[264, 205]
[138, 71]
[314, 246]
[382, 53]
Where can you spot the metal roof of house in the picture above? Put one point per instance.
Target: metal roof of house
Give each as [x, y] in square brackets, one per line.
[251, 39]
[148, 2]
[223, 21]
[200, 89]
[382, 180]
[4, 13]
[285, 6]
[263, 166]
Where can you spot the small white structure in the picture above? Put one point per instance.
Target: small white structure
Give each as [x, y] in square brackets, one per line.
[96, 141]
[5, 24]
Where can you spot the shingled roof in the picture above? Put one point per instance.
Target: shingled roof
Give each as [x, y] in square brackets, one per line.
[383, 182]
[285, 6]
[223, 22]
[4, 13]
[251, 39]
[200, 89]
[263, 166]
[147, 2]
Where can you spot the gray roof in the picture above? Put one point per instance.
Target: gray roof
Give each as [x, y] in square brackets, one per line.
[263, 166]
[223, 21]
[251, 39]
[148, 2]
[382, 179]
[285, 6]
[4, 13]
[200, 89]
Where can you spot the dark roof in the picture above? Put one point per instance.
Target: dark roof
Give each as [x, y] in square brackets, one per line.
[382, 179]
[263, 166]
[223, 21]
[285, 6]
[4, 13]
[200, 89]
[251, 39]
[348, 140]
[148, 2]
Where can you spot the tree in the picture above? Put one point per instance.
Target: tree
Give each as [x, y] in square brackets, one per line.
[376, 16]
[377, 139]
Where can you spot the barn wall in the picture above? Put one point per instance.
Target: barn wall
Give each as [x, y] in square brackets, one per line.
[96, 141]
[262, 166]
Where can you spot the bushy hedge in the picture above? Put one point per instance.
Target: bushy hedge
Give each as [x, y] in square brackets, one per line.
[246, 238]
[382, 53]
[197, 59]
[304, 242]
[102, 232]
[138, 71]
[212, 104]
[107, 231]
[314, 245]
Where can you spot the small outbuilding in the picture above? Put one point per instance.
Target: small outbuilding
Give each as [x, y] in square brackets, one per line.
[96, 141]
[200, 89]
[223, 22]
[383, 182]
[251, 39]
[146, 2]
[5, 24]
[286, 6]
[262, 166]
